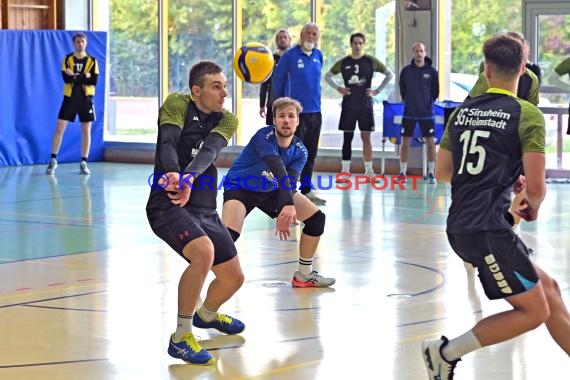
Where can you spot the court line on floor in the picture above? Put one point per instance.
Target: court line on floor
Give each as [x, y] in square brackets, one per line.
[52, 363]
[64, 308]
[52, 298]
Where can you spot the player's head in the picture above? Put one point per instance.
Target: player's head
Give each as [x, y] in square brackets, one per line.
[207, 84]
[357, 41]
[79, 41]
[286, 113]
[419, 50]
[310, 35]
[520, 37]
[282, 39]
[504, 57]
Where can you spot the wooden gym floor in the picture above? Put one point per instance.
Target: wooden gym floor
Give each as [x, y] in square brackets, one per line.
[87, 291]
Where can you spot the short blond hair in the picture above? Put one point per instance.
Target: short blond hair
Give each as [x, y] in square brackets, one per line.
[286, 102]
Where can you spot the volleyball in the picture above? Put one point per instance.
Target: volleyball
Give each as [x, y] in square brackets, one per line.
[253, 62]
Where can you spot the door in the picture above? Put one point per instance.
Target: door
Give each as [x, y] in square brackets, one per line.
[547, 27]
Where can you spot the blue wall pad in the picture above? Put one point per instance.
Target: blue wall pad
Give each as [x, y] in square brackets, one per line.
[392, 119]
[31, 91]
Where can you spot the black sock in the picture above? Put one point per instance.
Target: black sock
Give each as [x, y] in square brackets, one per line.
[84, 159]
[53, 155]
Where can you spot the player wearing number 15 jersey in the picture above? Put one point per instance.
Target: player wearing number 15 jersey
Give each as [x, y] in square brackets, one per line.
[488, 142]
[487, 136]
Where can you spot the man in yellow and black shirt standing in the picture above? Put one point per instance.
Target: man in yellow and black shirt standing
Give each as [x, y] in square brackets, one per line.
[80, 72]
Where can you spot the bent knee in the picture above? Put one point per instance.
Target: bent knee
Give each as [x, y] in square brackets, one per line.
[200, 253]
[315, 225]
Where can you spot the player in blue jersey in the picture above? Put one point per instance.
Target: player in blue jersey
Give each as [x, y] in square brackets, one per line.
[298, 76]
[487, 143]
[265, 176]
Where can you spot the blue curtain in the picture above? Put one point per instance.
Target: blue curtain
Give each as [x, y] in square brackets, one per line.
[31, 91]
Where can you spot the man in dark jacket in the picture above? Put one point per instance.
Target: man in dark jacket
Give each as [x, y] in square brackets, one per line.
[419, 88]
[283, 42]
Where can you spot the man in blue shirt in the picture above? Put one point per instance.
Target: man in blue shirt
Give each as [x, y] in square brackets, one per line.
[265, 176]
[298, 76]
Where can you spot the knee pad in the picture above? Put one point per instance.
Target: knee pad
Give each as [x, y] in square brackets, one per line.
[315, 225]
[234, 234]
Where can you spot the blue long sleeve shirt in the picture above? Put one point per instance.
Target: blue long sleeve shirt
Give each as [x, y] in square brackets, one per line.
[298, 76]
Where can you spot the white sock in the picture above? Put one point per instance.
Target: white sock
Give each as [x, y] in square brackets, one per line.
[345, 166]
[368, 167]
[460, 346]
[403, 167]
[305, 265]
[431, 167]
[183, 325]
[205, 314]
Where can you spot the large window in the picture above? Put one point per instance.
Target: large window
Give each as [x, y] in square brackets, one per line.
[340, 19]
[133, 92]
[553, 45]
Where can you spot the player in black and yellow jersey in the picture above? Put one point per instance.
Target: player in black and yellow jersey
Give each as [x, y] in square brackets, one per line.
[357, 70]
[80, 72]
[192, 130]
[529, 82]
[489, 140]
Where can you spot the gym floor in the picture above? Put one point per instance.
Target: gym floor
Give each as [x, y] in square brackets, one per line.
[87, 291]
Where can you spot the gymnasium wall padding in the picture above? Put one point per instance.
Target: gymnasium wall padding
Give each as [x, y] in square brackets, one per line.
[31, 91]
[392, 120]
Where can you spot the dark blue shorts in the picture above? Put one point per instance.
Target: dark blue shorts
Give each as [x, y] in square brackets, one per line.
[427, 127]
[501, 259]
[178, 226]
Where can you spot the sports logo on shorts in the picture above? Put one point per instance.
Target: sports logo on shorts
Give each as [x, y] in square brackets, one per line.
[497, 274]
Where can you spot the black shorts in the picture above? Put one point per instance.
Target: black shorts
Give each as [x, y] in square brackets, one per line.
[82, 106]
[349, 117]
[178, 226]
[501, 259]
[426, 125]
[266, 201]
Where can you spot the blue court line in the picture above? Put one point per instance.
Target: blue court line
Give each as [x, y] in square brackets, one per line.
[27, 303]
[10, 202]
[48, 223]
[44, 257]
[53, 363]
[65, 308]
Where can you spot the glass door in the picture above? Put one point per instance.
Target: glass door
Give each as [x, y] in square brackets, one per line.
[549, 37]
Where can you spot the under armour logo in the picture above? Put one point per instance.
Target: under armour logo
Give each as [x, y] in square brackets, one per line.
[196, 118]
[183, 235]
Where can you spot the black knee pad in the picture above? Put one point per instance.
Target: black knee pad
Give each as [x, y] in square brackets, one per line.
[234, 234]
[315, 225]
